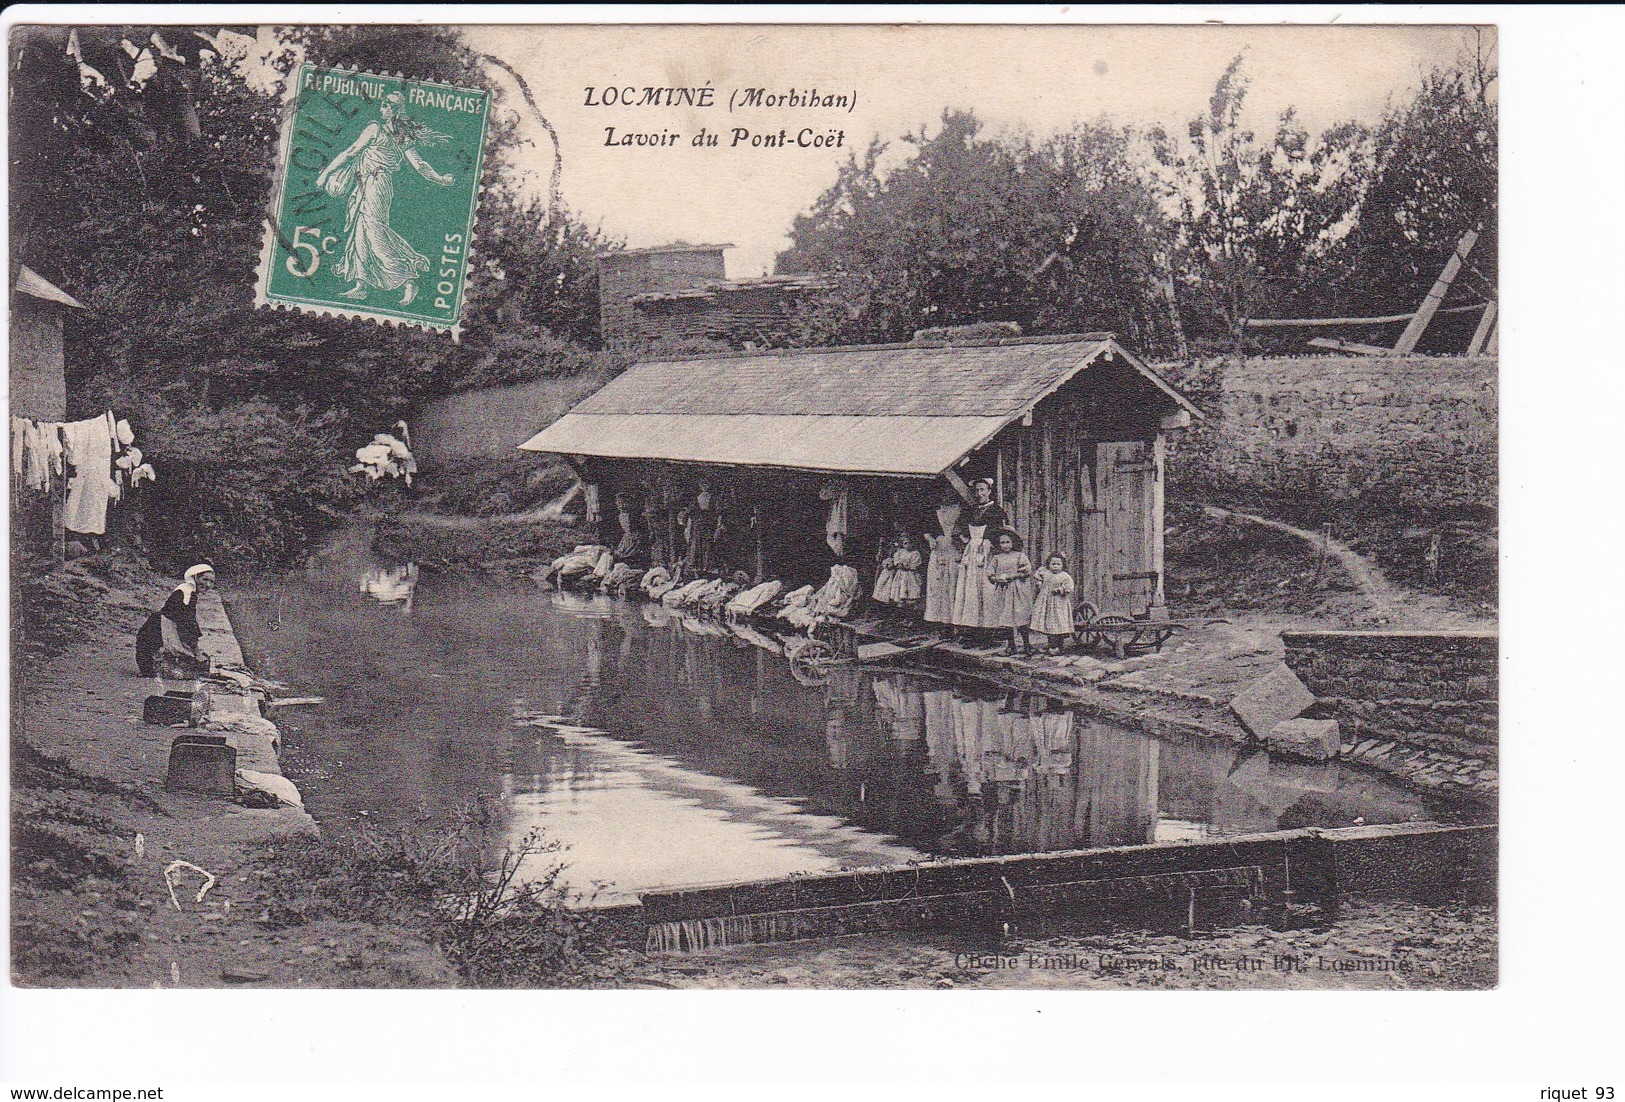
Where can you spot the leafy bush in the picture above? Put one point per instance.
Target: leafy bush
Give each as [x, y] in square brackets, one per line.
[248, 485]
[485, 487]
[498, 929]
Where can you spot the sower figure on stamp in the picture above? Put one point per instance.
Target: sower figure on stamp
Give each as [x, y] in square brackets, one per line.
[374, 254]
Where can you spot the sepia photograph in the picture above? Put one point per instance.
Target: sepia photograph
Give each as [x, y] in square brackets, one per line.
[848, 507]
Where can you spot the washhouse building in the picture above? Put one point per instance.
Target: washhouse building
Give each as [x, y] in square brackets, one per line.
[1070, 430]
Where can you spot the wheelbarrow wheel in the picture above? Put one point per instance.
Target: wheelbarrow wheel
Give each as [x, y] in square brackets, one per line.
[809, 663]
[1082, 617]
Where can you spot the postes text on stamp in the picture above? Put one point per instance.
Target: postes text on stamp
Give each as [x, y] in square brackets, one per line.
[378, 178]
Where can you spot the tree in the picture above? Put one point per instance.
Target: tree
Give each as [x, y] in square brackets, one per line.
[1434, 178]
[156, 225]
[1054, 236]
[1255, 216]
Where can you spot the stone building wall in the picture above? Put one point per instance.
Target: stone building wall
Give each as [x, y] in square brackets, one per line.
[625, 275]
[492, 423]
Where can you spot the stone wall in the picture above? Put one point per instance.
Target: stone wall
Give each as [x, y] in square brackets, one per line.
[1404, 433]
[492, 423]
[1434, 690]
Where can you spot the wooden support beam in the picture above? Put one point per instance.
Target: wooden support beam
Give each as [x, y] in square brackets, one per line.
[1482, 333]
[1351, 346]
[761, 554]
[1311, 323]
[1159, 481]
[1435, 297]
[959, 486]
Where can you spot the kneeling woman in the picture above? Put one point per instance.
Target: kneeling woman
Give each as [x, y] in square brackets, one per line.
[172, 633]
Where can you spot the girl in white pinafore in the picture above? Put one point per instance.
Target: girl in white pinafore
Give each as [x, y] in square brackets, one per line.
[971, 586]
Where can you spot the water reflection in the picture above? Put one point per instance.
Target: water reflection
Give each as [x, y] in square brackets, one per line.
[664, 750]
[390, 585]
[944, 767]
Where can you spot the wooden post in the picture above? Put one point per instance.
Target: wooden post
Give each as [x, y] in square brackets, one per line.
[1159, 466]
[761, 556]
[1482, 333]
[1430, 305]
[59, 506]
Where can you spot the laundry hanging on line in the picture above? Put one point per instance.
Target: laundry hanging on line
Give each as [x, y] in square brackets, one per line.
[96, 454]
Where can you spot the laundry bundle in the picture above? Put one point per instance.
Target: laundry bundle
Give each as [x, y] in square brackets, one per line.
[657, 582]
[752, 600]
[676, 598]
[584, 560]
[796, 599]
[621, 577]
[388, 456]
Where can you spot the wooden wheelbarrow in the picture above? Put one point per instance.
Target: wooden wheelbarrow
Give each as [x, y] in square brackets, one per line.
[1125, 635]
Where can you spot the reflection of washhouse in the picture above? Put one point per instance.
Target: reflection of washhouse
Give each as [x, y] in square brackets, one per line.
[1031, 775]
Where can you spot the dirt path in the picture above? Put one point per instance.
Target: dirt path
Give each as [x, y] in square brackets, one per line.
[1387, 604]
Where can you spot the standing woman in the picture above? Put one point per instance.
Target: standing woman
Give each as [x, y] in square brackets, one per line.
[984, 512]
[972, 589]
[172, 633]
[374, 254]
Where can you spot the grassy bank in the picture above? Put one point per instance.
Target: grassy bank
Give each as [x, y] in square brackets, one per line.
[1216, 565]
[505, 544]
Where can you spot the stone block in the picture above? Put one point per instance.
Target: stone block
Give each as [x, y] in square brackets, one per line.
[1275, 697]
[1314, 739]
[202, 763]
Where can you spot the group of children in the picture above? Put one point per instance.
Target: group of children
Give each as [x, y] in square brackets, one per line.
[977, 578]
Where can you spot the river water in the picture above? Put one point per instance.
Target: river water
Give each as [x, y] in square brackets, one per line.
[665, 752]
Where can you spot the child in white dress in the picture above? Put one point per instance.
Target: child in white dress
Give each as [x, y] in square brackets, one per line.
[1052, 607]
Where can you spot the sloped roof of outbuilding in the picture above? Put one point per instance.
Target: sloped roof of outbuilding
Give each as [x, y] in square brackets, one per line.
[913, 409]
[31, 283]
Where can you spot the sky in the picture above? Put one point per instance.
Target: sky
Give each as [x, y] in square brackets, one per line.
[1035, 79]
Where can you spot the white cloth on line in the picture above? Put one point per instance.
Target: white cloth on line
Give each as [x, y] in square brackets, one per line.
[89, 447]
[20, 430]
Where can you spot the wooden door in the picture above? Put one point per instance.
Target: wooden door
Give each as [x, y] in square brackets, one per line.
[1128, 495]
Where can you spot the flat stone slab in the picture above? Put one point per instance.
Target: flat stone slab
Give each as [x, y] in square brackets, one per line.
[1272, 699]
[1315, 739]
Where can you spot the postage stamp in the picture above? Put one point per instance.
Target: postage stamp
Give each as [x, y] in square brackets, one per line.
[378, 181]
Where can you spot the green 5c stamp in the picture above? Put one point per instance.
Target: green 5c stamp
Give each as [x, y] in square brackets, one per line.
[378, 178]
